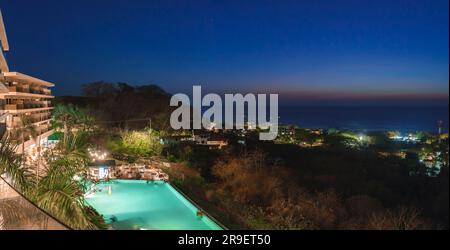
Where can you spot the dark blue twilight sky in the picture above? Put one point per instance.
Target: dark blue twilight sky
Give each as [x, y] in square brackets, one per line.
[305, 50]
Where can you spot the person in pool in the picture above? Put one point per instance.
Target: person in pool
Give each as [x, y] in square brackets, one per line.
[113, 218]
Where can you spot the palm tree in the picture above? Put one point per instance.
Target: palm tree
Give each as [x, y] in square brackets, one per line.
[12, 210]
[68, 117]
[24, 130]
[74, 150]
[11, 164]
[59, 193]
[63, 197]
[86, 121]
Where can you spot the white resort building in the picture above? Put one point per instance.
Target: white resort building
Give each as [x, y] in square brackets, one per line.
[23, 96]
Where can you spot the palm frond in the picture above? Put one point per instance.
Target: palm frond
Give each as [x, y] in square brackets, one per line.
[62, 196]
[11, 164]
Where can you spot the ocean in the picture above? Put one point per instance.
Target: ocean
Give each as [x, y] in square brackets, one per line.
[402, 119]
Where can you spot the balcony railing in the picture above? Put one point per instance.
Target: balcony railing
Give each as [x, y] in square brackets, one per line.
[41, 129]
[26, 106]
[41, 118]
[40, 91]
[18, 122]
[18, 89]
[19, 213]
[44, 129]
[14, 106]
[29, 90]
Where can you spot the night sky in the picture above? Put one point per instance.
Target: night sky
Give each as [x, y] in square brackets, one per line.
[304, 50]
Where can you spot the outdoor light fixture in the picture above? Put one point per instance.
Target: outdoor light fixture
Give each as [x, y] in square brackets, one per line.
[97, 155]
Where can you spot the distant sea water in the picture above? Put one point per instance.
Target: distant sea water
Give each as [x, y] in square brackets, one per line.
[402, 119]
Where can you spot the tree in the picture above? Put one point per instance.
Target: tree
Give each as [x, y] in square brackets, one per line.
[241, 178]
[25, 129]
[58, 191]
[442, 155]
[11, 164]
[303, 135]
[28, 129]
[63, 117]
[13, 210]
[135, 144]
[70, 117]
[62, 196]
[98, 89]
[424, 136]
[128, 106]
[402, 218]
[339, 140]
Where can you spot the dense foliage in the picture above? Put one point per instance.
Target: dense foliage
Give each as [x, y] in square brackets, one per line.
[132, 145]
[284, 186]
[50, 182]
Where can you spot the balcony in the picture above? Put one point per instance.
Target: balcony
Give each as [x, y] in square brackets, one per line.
[19, 77]
[17, 121]
[14, 106]
[28, 90]
[40, 118]
[40, 130]
[25, 106]
[18, 89]
[40, 91]
[44, 129]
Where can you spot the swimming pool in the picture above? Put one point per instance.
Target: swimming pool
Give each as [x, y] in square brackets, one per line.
[134, 204]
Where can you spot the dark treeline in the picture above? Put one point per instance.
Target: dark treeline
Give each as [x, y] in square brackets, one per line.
[124, 106]
[392, 181]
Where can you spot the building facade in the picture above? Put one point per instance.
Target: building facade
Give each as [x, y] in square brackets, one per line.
[25, 102]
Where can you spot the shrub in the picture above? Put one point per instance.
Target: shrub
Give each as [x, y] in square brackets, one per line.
[135, 144]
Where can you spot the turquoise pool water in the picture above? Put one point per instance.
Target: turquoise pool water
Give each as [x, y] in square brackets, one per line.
[130, 204]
